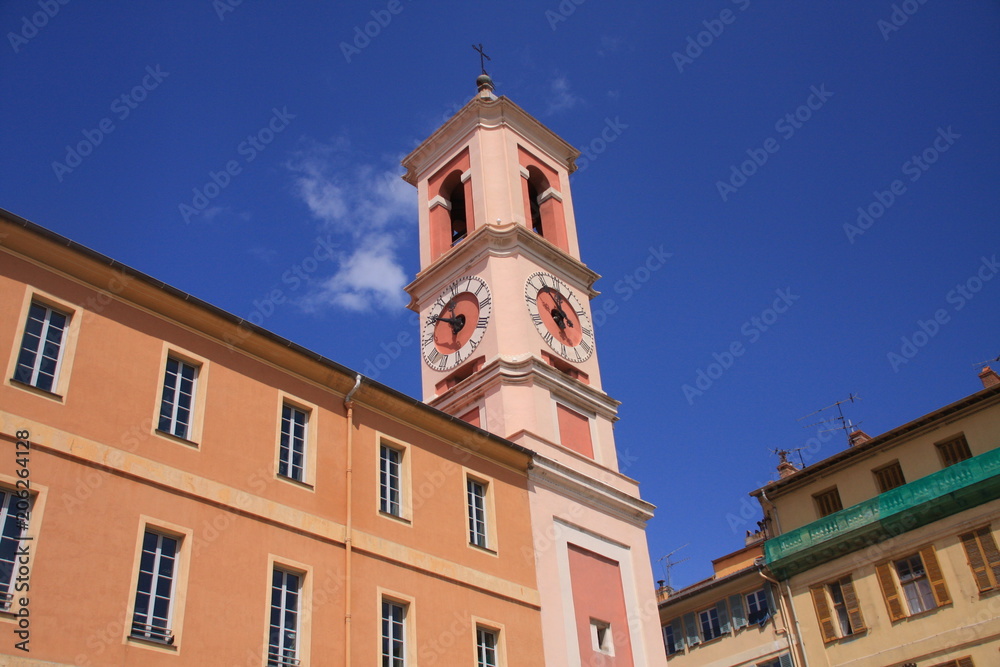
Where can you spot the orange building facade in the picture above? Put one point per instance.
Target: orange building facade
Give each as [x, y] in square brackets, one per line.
[271, 508]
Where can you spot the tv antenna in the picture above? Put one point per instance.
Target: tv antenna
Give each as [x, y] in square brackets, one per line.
[668, 564]
[838, 422]
[783, 455]
[988, 361]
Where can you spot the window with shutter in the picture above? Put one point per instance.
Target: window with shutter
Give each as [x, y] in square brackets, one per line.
[853, 607]
[984, 558]
[823, 614]
[935, 576]
[953, 451]
[889, 477]
[890, 593]
[691, 630]
[828, 502]
[723, 614]
[736, 609]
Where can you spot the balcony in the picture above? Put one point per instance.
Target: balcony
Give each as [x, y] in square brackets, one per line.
[959, 487]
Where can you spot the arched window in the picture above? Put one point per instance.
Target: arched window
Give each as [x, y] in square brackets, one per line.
[453, 190]
[537, 184]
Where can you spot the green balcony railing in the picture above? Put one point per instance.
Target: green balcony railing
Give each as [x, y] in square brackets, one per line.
[956, 488]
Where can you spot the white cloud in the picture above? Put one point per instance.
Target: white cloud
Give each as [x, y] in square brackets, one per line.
[561, 98]
[368, 208]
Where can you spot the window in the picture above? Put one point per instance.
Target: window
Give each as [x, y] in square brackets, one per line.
[984, 558]
[177, 404]
[710, 626]
[476, 493]
[389, 485]
[282, 645]
[13, 522]
[154, 592]
[828, 502]
[393, 634]
[600, 634]
[837, 609]
[486, 647]
[41, 347]
[757, 607]
[889, 477]
[670, 640]
[292, 451]
[954, 450]
[965, 661]
[784, 660]
[923, 585]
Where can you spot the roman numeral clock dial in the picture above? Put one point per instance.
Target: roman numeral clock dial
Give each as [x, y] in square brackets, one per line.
[456, 323]
[559, 317]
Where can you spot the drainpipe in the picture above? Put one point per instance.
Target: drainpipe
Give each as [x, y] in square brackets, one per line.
[793, 617]
[349, 529]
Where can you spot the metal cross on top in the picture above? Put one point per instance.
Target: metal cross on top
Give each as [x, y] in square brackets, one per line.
[482, 63]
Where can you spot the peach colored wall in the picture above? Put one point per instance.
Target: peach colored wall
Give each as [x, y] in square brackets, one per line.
[85, 552]
[439, 221]
[597, 594]
[574, 431]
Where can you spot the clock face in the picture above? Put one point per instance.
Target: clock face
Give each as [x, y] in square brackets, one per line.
[456, 323]
[559, 317]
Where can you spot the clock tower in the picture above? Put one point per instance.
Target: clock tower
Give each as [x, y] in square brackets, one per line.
[507, 343]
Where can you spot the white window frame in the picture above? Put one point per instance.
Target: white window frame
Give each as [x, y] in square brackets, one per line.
[390, 489]
[282, 655]
[758, 599]
[35, 373]
[12, 529]
[394, 631]
[713, 620]
[172, 418]
[919, 584]
[292, 443]
[476, 491]
[147, 629]
[487, 652]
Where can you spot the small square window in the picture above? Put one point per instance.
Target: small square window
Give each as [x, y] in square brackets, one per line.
[600, 634]
[889, 477]
[954, 450]
[828, 502]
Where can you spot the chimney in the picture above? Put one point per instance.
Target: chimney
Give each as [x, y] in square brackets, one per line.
[858, 437]
[785, 469]
[989, 377]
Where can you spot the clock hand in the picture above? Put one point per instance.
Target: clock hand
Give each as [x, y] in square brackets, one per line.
[457, 323]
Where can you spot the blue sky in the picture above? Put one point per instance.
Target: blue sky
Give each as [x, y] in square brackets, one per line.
[249, 154]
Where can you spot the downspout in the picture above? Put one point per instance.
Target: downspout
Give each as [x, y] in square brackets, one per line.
[793, 617]
[349, 528]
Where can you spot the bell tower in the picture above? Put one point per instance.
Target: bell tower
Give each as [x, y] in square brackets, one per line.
[508, 344]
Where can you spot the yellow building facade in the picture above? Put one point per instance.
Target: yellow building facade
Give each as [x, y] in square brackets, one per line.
[887, 551]
[732, 618]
